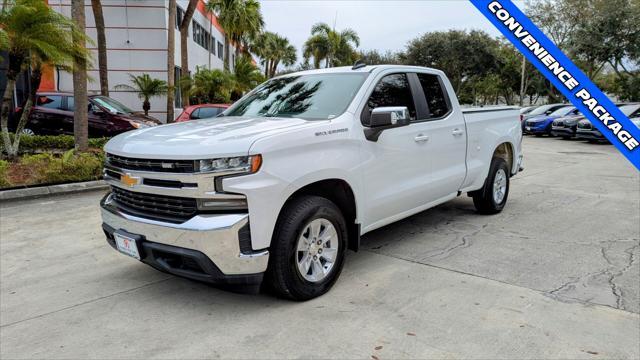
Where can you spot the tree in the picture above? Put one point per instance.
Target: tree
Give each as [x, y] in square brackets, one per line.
[33, 35]
[336, 48]
[80, 113]
[246, 75]
[209, 86]
[184, 45]
[274, 50]
[241, 20]
[373, 57]
[146, 87]
[461, 55]
[103, 71]
[171, 60]
[594, 34]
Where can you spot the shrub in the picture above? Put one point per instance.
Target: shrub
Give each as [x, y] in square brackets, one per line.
[4, 174]
[35, 143]
[47, 168]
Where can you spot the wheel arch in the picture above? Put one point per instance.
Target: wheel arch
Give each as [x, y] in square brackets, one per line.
[506, 151]
[341, 193]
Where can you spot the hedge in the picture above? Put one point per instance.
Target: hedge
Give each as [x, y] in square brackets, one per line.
[34, 143]
[48, 168]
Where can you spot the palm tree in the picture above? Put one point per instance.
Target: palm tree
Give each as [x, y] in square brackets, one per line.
[81, 108]
[241, 20]
[184, 45]
[34, 35]
[247, 75]
[336, 48]
[171, 60]
[96, 6]
[274, 50]
[146, 87]
[209, 86]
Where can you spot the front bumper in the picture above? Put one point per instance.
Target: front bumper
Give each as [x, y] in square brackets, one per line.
[562, 131]
[210, 244]
[593, 135]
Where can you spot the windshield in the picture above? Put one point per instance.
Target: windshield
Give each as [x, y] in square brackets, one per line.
[111, 105]
[562, 111]
[541, 110]
[629, 109]
[310, 97]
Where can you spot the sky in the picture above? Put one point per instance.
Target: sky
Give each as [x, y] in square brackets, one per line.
[382, 25]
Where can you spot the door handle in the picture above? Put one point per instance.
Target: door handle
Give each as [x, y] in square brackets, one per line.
[457, 132]
[421, 138]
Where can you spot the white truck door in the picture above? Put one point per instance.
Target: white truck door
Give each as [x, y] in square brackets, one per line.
[396, 172]
[445, 125]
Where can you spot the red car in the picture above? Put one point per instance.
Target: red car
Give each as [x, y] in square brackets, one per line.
[202, 111]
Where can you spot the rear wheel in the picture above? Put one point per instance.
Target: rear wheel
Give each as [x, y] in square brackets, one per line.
[308, 248]
[28, 132]
[493, 195]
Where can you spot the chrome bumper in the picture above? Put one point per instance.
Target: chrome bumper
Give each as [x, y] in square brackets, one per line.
[216, 236]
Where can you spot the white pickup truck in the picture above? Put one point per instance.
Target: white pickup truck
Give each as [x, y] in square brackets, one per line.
[290, 176]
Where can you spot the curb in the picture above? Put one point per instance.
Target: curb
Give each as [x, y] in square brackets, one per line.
[51, 190]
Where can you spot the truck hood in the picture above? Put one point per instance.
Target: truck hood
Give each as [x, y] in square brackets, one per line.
[200, 139]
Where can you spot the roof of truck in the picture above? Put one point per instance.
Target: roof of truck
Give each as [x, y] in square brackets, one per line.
[364, 69]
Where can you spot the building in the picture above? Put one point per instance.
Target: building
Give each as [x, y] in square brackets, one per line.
[136, 34]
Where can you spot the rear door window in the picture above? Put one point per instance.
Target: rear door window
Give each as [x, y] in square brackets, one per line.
[49, 101]
[436, 95]
[392, 90]
[208, 112]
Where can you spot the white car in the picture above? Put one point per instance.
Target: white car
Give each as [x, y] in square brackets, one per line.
[296, 171]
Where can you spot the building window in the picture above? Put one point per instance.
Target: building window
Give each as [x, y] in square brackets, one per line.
[212, 45]
[179, 17]
[220, 50]
[178, 90]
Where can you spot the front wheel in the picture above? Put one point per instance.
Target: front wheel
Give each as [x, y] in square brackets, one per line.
[308, 248]
[493, 195]
[28, 132]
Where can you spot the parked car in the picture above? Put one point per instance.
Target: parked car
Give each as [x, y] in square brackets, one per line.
[541, 125]
[52, 114]
[544, 110]
[202, 111]
[298, 169]
[528, 109]
[565, 127]
[586, 131]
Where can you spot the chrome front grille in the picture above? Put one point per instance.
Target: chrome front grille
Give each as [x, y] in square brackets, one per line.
[153, 165]
[157, 207]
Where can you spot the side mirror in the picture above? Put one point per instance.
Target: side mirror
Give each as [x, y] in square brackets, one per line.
[383, 118]
[96, 110]
[389, 116]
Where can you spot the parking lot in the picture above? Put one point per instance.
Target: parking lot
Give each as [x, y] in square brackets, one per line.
[556, 275]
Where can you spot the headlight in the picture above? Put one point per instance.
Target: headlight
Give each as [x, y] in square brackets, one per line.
[138, 125]
[238, 164]
[222, 204]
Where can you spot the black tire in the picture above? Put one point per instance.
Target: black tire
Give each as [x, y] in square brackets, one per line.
[538, 135]
[283, 277]
[483, 198]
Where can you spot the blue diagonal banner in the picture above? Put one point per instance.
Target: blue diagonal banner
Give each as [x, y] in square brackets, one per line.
[564, 75]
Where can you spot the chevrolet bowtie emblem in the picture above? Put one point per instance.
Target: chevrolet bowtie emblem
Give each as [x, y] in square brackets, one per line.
[129, 180]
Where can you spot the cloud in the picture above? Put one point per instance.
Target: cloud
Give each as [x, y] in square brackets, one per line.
[381, 25]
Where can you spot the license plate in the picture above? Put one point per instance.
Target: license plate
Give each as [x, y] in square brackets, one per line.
[127, 245]
[528, 128]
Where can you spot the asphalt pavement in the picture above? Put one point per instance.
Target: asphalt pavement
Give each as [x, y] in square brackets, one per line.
[555, 275]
